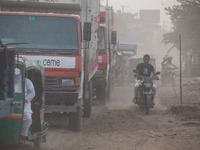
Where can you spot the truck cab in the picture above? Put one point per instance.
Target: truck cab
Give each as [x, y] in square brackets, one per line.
[103, 77]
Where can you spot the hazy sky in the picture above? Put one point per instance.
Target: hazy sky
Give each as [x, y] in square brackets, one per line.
[134, 6]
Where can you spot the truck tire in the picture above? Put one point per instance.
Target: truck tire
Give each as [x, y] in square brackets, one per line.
[88, 102]
[102, 96]
[75, 119]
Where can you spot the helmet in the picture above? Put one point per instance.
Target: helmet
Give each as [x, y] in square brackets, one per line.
[168, 57]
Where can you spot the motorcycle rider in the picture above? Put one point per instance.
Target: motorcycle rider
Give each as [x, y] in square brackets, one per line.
[144, 69]
[166, 65]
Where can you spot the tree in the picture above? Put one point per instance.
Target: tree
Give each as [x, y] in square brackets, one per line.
[186, 21]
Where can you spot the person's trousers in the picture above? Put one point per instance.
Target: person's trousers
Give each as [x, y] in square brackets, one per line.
[26, 123]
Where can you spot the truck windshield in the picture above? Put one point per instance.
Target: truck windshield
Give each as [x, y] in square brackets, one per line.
[102, 47]
[43, 32]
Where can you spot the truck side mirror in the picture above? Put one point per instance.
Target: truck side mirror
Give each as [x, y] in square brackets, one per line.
[114, 37]
[87, 31]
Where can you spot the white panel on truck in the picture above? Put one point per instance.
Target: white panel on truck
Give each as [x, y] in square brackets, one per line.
[50, 1]
[69, 1]
[41, 7]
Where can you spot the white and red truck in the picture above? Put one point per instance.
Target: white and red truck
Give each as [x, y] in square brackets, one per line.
[61, 35]
[107, 40]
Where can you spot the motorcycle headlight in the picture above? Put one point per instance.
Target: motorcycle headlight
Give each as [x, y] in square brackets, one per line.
[148, 85]
[67, 82]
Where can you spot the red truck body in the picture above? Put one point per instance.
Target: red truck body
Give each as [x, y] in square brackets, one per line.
[103, 56]
[103, 76]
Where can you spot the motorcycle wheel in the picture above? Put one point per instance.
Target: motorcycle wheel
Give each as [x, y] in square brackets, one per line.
[147, 105]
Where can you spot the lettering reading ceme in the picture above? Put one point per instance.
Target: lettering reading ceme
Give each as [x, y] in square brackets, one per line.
[51, 62]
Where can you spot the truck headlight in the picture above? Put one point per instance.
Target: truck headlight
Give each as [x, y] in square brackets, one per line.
[67, 82]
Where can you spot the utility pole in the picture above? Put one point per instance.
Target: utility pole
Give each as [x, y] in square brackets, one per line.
[123, 8]
[106, 2]
[181, 91]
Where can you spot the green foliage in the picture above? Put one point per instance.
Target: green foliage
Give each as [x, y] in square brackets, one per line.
[185, 18]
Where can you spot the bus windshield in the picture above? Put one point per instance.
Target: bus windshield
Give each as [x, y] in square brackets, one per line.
[101, 45]
[43, 32]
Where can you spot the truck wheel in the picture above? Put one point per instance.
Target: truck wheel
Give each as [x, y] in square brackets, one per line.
[38, 143]
[103, 96]
[88, 102]
[75, 119]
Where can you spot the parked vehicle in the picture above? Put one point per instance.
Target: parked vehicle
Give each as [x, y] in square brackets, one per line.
[133, 62]
[7, 59]
[118, 80]
[10, 126]
[127, 52]
[145, 94]
[128, 49]
[63, 38]
[103, 80]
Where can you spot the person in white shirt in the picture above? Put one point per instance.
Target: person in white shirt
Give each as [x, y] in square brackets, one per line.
[27, 118]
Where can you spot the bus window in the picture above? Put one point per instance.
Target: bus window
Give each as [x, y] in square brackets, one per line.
[18, 81]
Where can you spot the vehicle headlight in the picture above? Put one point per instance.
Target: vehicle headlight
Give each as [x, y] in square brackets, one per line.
[68, 82]
[148, 85]
[100, 72]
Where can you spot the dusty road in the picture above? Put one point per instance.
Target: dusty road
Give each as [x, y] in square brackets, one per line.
[120, 125]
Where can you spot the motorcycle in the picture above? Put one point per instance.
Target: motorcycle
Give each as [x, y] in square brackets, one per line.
[169, 76]
[145, 93]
